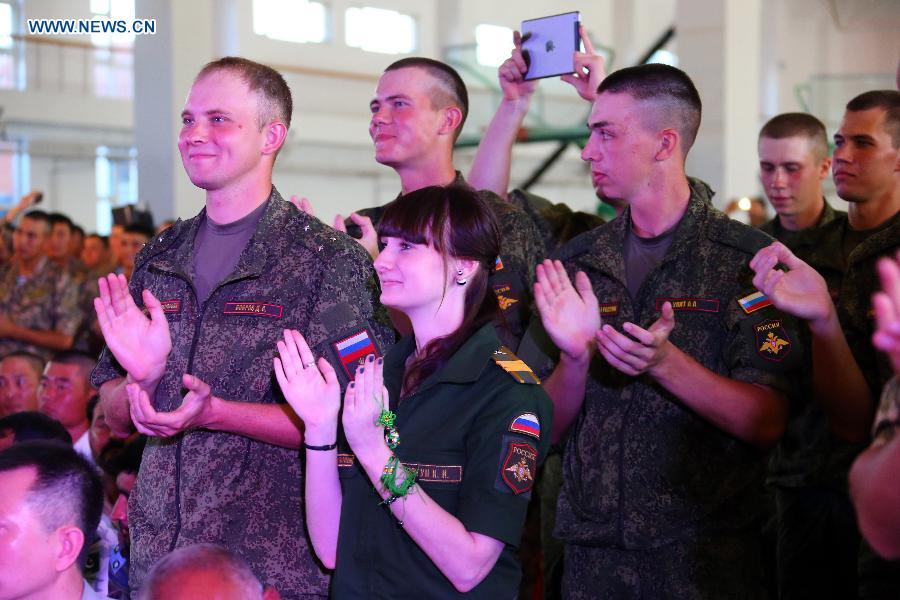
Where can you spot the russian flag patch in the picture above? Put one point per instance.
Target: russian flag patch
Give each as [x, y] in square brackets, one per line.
[754, 302]
[353, 350]
[528, 424]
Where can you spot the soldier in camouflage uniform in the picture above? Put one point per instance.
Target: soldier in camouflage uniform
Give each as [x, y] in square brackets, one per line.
[39, 310]
[490, 169]
[846, 372]
[557, 224]
[418, 111]
[665, 454]
[813, 536]
[221, 465]
[793, 162]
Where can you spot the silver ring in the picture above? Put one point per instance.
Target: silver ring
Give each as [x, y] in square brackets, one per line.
[308, 365]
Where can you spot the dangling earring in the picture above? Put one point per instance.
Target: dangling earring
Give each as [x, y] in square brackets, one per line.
[460, 280]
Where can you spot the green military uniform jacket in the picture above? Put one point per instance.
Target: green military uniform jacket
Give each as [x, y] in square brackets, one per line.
[521, 249]
[46, 301]
[475, 437]
[211, 486]
[641, 469]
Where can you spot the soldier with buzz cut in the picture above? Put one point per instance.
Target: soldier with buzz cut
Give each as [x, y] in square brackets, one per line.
[221, 465]
[793, 162]
[671, 368]
[418, 112]
[829, 283]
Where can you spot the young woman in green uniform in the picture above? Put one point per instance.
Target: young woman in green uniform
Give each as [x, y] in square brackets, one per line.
[422, 490]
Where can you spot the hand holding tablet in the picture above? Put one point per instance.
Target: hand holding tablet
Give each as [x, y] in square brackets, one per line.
[549, 45]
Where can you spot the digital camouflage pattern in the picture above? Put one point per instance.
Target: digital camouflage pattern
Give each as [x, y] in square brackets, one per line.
[788, 237]
[641, 471]
[810, 453]
[853, 297]
[209, 486]
[521, 249]
[557, 223]
[689, 570]
[46, 301]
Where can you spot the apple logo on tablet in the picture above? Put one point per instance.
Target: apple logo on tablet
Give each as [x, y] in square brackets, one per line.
[549, 46]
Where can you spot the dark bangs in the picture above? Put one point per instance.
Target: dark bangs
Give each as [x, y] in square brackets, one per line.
[415, 216]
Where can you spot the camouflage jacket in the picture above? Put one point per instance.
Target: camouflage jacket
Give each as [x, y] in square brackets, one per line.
[788, 237]
[210, 486]
[641, 470]
[46, 301]
[521, 249]
[810, 453]
[557, 223]
[852, 284]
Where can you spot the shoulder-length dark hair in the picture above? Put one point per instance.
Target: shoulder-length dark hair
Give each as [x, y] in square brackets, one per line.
[457, 223]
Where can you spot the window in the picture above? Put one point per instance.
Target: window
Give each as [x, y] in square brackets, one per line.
[115, 10]
[115, 172]
[494, 44]
[7, 52]
[112, 58]
[380, 30]
[296, 21]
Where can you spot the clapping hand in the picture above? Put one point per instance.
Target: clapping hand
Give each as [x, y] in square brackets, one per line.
[311, 388]
[140, 344]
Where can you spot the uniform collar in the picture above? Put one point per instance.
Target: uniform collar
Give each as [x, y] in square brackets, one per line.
[465, 366]
[606, 251]
[884, 238]
[252, 260]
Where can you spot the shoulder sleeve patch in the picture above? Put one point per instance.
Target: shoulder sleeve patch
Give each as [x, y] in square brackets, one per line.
[518, 467]
[753, 302]
[353, 349]
[513, 365]
[527, 423]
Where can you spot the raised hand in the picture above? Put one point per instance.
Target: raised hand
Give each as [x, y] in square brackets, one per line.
[193, 412]
[590, 69]
[364, 400]
[312, 389]
[570, 315]
[140, 344]
[641, 354]
[511, 74]
[800, 291]
[369, 239]
[887, 311]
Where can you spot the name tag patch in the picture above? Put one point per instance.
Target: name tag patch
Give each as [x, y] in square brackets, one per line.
[353, 350]
[254, 309]
[710, 305]
[772, 340]
[505, 296]
[171, 306]
[609, 309]
[424, 472]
